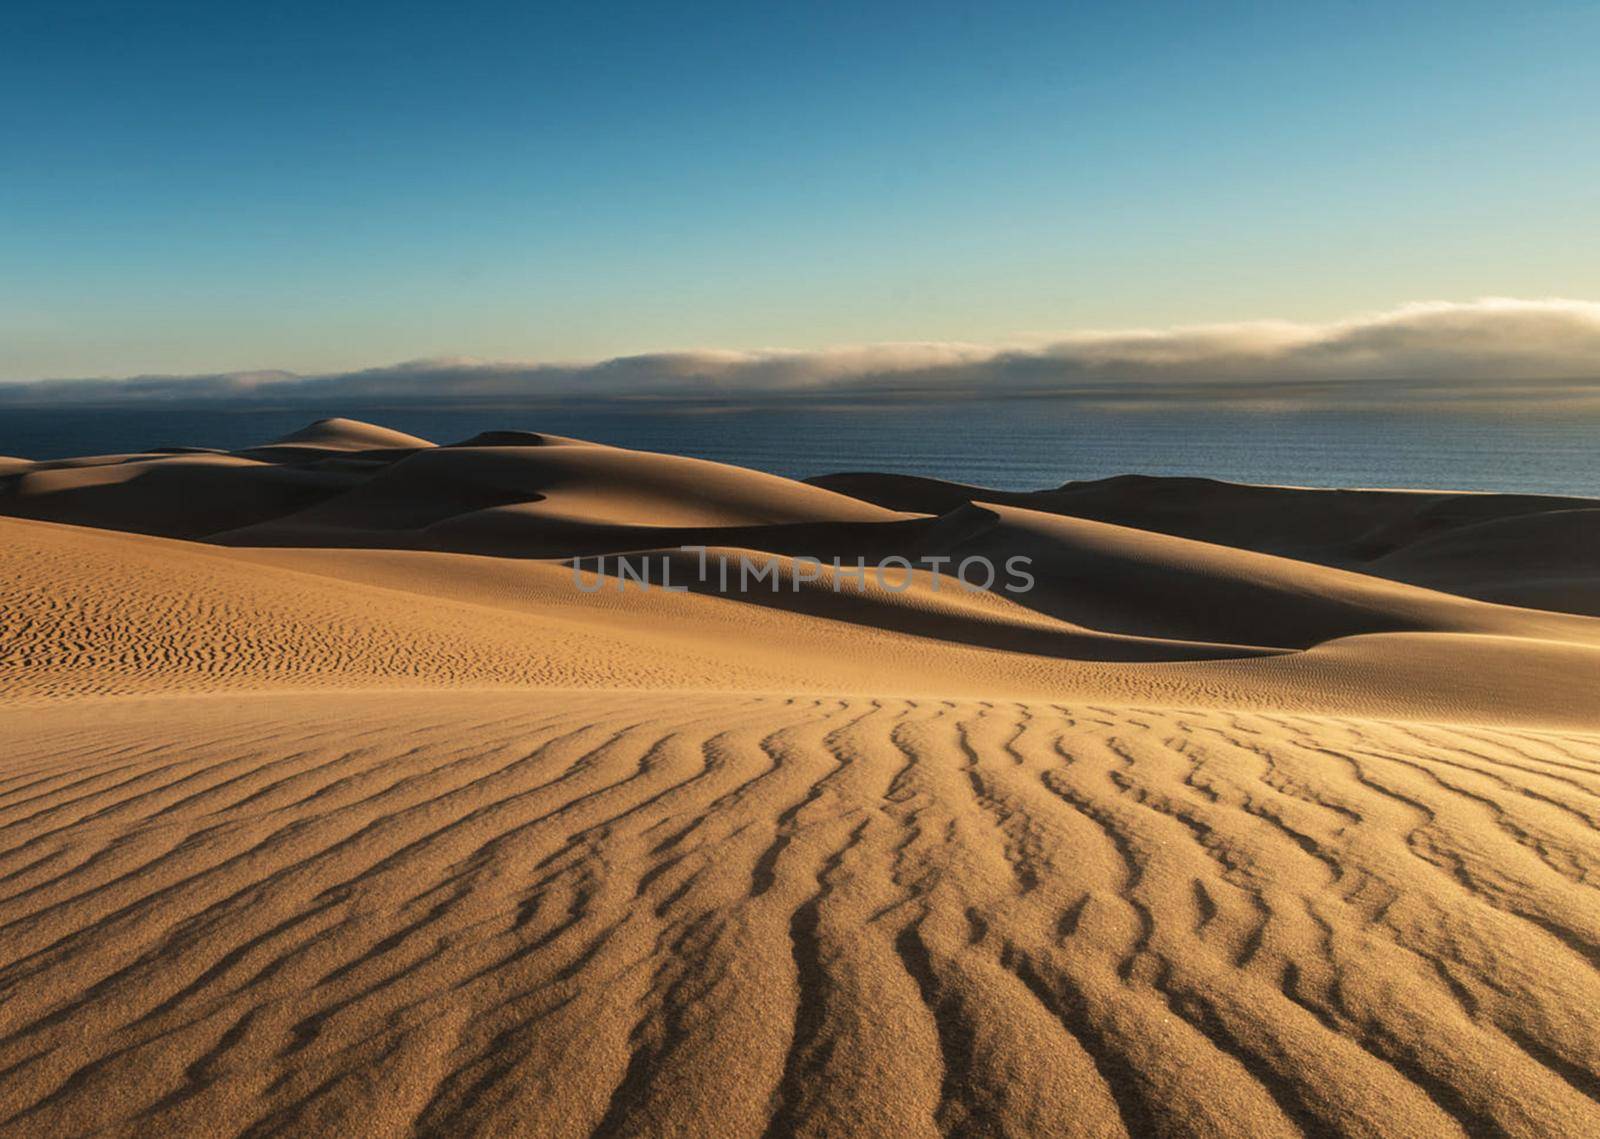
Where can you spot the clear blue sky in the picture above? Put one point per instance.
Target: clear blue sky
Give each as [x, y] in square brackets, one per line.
[198, 187]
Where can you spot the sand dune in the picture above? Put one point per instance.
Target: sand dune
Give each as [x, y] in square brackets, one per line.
[498, 498]
[347, 435]
[330, 804]
[1351, 528]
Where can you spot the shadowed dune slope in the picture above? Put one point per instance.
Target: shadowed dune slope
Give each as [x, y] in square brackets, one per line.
[350, 484]
[488, 499]
[185, 492]
[1548, 560]
[1337, 527]
[1134, 581]
[175, 496]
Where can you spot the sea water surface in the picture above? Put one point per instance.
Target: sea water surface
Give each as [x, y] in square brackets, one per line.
[1009, 444]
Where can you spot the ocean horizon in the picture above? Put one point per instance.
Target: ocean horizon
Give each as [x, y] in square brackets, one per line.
[1004, 444]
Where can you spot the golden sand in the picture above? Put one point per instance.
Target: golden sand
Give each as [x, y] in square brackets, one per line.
[330, 806]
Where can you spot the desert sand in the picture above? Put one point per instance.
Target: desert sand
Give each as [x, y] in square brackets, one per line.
[330, 805]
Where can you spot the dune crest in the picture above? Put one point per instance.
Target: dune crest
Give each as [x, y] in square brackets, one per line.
[338, 434]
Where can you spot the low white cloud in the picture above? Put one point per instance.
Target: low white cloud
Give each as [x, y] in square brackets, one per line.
[1491, 351]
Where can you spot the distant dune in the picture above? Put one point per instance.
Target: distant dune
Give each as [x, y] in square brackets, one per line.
[330, 804]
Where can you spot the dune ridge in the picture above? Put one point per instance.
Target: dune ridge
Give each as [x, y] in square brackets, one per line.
[330, 804]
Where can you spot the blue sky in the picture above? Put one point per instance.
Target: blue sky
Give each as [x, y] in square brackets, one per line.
[214, 187]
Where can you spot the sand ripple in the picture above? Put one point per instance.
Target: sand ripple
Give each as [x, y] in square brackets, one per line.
[574, 914]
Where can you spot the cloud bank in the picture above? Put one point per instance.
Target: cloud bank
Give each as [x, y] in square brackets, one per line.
[1489, 353]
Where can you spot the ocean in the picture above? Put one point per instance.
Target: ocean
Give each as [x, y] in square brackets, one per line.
[1010, 444]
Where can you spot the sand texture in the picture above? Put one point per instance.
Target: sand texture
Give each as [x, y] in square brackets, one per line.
[329, 804]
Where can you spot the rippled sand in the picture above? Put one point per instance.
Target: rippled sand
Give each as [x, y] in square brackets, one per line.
[392, 838]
